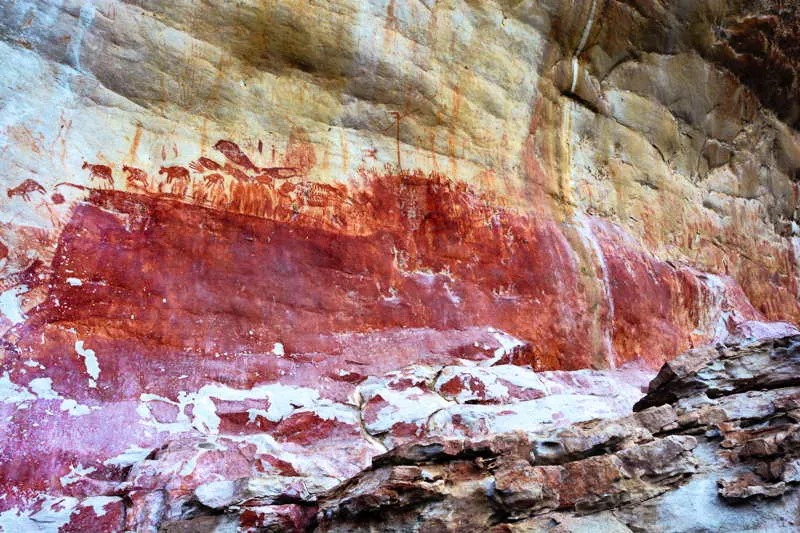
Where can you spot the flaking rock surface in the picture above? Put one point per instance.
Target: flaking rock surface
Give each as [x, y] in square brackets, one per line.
[713, 446]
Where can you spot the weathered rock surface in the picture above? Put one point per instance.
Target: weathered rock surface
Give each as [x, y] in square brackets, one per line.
[248, 247]
[720, 462]
[726, 461]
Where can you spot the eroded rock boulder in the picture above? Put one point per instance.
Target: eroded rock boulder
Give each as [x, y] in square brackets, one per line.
[734, 454]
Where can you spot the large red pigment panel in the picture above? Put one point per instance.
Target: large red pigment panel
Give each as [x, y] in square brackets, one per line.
[404, 250]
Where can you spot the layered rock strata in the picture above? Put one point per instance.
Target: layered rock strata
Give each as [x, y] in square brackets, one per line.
[713, 446]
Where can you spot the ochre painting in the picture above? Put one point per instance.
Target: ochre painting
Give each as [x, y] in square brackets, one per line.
[399, 265]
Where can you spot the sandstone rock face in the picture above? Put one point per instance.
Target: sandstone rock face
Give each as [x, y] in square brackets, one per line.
[248, 247]
[591, 152]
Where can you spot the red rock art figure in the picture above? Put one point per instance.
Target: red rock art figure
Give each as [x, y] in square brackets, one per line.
[266, 193]
[300, 152]
[397, 117]
[288, 201]
[55, 199]
[100, 172]
[280, 173]
[262, 194]
[255, 197]
[236, 173]
[323, 195]
[233, 153]
[24, 189]
[27, 276]
[265, 179]
[136, 178]
[245, 191]
[238, 196]
[203, 164]
[178, 178]
[214, 179]
[212, 189]
[199, 193]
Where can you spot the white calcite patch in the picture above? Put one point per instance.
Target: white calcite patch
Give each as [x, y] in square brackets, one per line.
[586, 234]
[74, 408]
[99, 503]
[280, 401]
[627, 384]
[531, 416]
[90, 359]
[751, 330]
[401, 406]
[320, 460]
[520, 376]
[494, 399]
[76, 473]
[37, 389]
[134, 454]
[507, 345]
[217, 494]
[491, 389]
[191, 464]
[13, 393]
[53, 513]
[720, 315]
[490, 384]
[74, 282]
[43, 388]
[401, 396]
[220, 494]
[10, 304]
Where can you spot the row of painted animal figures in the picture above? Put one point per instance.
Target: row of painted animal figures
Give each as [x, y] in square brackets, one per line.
[252, 193]
[247, 188]
[238, 165]
[250, 188]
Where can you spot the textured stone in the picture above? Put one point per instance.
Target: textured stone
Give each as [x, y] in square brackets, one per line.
[612, 475]
[277, 518]
[719, 371]
[277, 240]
